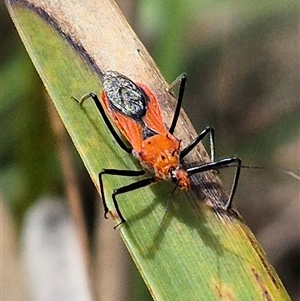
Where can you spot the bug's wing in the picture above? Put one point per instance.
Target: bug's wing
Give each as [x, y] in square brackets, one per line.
[153, 117]
[129, 128]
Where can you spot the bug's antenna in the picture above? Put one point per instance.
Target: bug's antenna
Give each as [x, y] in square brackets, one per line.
[284, 170]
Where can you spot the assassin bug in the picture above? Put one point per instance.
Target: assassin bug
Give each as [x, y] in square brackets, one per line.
[135, 111]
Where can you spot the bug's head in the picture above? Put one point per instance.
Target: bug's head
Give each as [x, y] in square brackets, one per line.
[180, 178]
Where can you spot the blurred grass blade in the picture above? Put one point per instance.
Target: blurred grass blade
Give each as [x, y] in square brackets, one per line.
[194, 253]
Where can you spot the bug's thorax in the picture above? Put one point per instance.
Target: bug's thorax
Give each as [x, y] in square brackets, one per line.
[160, 155]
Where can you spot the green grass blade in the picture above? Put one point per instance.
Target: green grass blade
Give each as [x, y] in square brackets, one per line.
[193, 253]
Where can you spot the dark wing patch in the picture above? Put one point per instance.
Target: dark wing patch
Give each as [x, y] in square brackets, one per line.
[124, 96]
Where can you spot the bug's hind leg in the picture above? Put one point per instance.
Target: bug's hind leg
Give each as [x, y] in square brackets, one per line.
[115, 172]
[124, 189]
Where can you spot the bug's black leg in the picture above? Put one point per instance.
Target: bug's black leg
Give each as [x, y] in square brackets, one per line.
[234, 183]
[115, 172]
[182, 80]
[106, 120]
[200, 137]
[124, 189]
[226, 162]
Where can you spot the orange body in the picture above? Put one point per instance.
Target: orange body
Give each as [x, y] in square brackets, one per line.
[158, 153]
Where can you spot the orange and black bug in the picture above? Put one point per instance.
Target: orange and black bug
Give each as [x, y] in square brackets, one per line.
[136, 113]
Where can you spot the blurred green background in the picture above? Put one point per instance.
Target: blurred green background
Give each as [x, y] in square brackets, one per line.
[242, 61]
